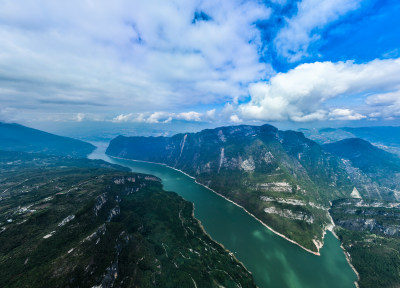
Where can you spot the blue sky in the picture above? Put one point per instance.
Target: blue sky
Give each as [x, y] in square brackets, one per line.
[308, 62]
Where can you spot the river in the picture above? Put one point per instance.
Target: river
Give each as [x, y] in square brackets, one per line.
[273, 261]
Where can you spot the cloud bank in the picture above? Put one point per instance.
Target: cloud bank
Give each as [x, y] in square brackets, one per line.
[128, 55]
[190, 60]
[302, 94]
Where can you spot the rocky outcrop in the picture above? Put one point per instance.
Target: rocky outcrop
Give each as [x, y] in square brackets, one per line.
[378, 217]
[66, 220]
[113, 212]
[371, 225]
[100, 201]
[290, 214]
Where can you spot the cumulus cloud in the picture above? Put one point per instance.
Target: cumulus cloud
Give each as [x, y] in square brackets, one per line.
[292, 41]
[385, 105]
[235, 119]
[303, 93]
[122, 118]
[345, 114]
[131, 60]
[128, 55]
[226, 115]
[163, 117]
[189, 116]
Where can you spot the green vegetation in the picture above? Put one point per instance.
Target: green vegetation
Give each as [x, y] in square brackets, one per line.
[15, 137]
[362, 154]
[283, 178]
[79, 223]
[373, 171]
[370, 232]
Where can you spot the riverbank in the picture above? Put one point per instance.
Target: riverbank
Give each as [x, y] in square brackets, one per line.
[273, 261]
[238, 205]
[346, 254]
[318, 244]
[220, 244]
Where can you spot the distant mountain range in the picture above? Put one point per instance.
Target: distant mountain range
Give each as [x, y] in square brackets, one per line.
[384, 137]
[375, 173]
[15, 137]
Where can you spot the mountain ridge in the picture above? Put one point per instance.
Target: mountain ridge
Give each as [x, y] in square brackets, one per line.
[16, 137]
[273, 174]
[374, 172]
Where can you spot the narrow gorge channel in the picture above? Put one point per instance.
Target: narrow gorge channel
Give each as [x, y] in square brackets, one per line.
[273, 261]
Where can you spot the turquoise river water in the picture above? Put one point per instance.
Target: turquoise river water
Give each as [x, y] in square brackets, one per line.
[273, 261]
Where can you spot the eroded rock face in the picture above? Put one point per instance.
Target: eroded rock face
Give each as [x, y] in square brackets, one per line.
[276, 187]
[268, 158]
[100, 201]
[66, 220]
[114, 212]
[123, 180]
[355, 193]
[378, 217]
[289, 201]
[290, 214]
[248, 165]
[371, 225]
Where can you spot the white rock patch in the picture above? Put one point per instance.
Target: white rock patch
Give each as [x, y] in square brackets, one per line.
[289, 214]
[66, 220]
[221, 159]
[268, 157]
[49, 235]
[277, 186]
[248, 165]
[221, 136]
[355, 194]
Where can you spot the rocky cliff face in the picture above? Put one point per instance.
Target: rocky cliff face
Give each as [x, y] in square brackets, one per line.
[378, 217]
[245, 163]
[370, 233]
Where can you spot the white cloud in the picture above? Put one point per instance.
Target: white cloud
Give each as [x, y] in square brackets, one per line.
[189, 116]
[235, 119]
[385, 105]
[159, 117]
[345, 114]
[302, 94]
[128, 55]
[293, 40]
[384, 99]
[79, 117]
[122, 118]
[210, 114]
[226, 115]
